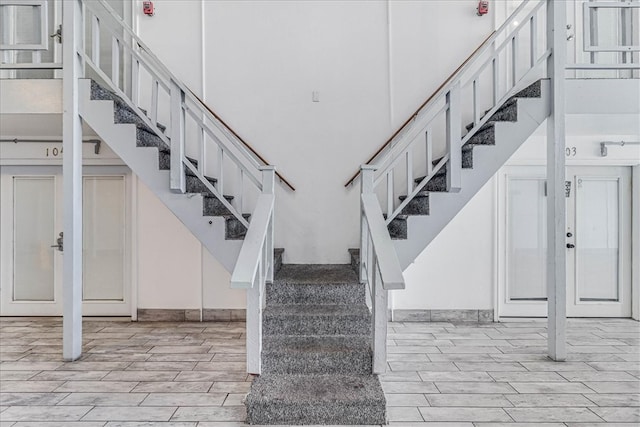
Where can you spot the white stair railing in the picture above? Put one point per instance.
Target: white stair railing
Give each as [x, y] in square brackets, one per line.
[255, 267]
[115, 55]
[511, 57]
[379, 266]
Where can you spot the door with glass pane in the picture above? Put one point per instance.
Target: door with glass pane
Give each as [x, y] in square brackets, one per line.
[598, 242]
[33, 249]
[598, 245]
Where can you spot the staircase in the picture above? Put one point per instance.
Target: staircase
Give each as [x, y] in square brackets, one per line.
[144, 151]
[488, 148]
[316, 355]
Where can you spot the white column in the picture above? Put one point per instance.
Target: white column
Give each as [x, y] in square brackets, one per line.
[72, 184]
[556, 200]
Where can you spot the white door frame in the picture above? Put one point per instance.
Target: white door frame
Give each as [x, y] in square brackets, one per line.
[90, 308]
[538, 309]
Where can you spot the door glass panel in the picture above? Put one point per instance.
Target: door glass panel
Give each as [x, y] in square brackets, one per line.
[597, 239]
[34, 233]
[103, 238]
[526, 239]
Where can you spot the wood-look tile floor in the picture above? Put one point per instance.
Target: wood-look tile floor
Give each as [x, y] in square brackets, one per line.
[440, 374]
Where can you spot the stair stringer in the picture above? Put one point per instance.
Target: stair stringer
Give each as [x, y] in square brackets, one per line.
[487, 160]
[143, 161]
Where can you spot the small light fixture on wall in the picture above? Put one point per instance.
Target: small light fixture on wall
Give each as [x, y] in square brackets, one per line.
[147, 8]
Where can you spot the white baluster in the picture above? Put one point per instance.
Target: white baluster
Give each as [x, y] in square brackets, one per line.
[154, 101]
[514, 60]
[115, 61]
[429, 150]
[496, 79]
[454, 137]
[533, 36]
[390, 193]
[177, 139]
[476, 116]
[409, 171]
[220, 170]
[95, 40]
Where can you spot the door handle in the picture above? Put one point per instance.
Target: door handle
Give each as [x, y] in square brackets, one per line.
[58, 34]
[60, 241]
[570, 246]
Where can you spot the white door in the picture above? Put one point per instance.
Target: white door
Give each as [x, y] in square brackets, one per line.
[598, 244]
[31, 279]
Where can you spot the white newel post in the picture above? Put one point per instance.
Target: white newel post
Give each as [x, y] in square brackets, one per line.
[72, 183]
[454, 139]
[177, 178]
[268, 187]
[367, 173]
[556, 200]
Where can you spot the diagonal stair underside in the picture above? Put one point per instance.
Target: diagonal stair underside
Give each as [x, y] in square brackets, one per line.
[141, 150]
[487, 151]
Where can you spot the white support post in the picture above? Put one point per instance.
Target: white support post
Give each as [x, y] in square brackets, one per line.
[177, 176]
[72, 184]
[556, 200]
[380, 315]
[454, 138]
[366, 176]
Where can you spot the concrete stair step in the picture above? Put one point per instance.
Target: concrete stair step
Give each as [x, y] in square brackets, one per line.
[316, 399]
[303, 319]
[316, 355]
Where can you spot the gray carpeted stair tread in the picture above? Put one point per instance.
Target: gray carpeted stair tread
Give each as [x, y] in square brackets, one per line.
[419, 205]
[315, 310]
[316, 355]
[234, 230]
[397, 227]
[316, 399]
[315, 274]
[212, 206]
[193, 184]
[316, 320]
[534, 90]
[315, 294]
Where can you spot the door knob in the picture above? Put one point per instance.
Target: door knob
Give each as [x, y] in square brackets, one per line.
[570, 246]
[60, 241]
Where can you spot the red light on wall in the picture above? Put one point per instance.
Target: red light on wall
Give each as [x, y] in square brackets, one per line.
[483, 8]
[147, 8]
